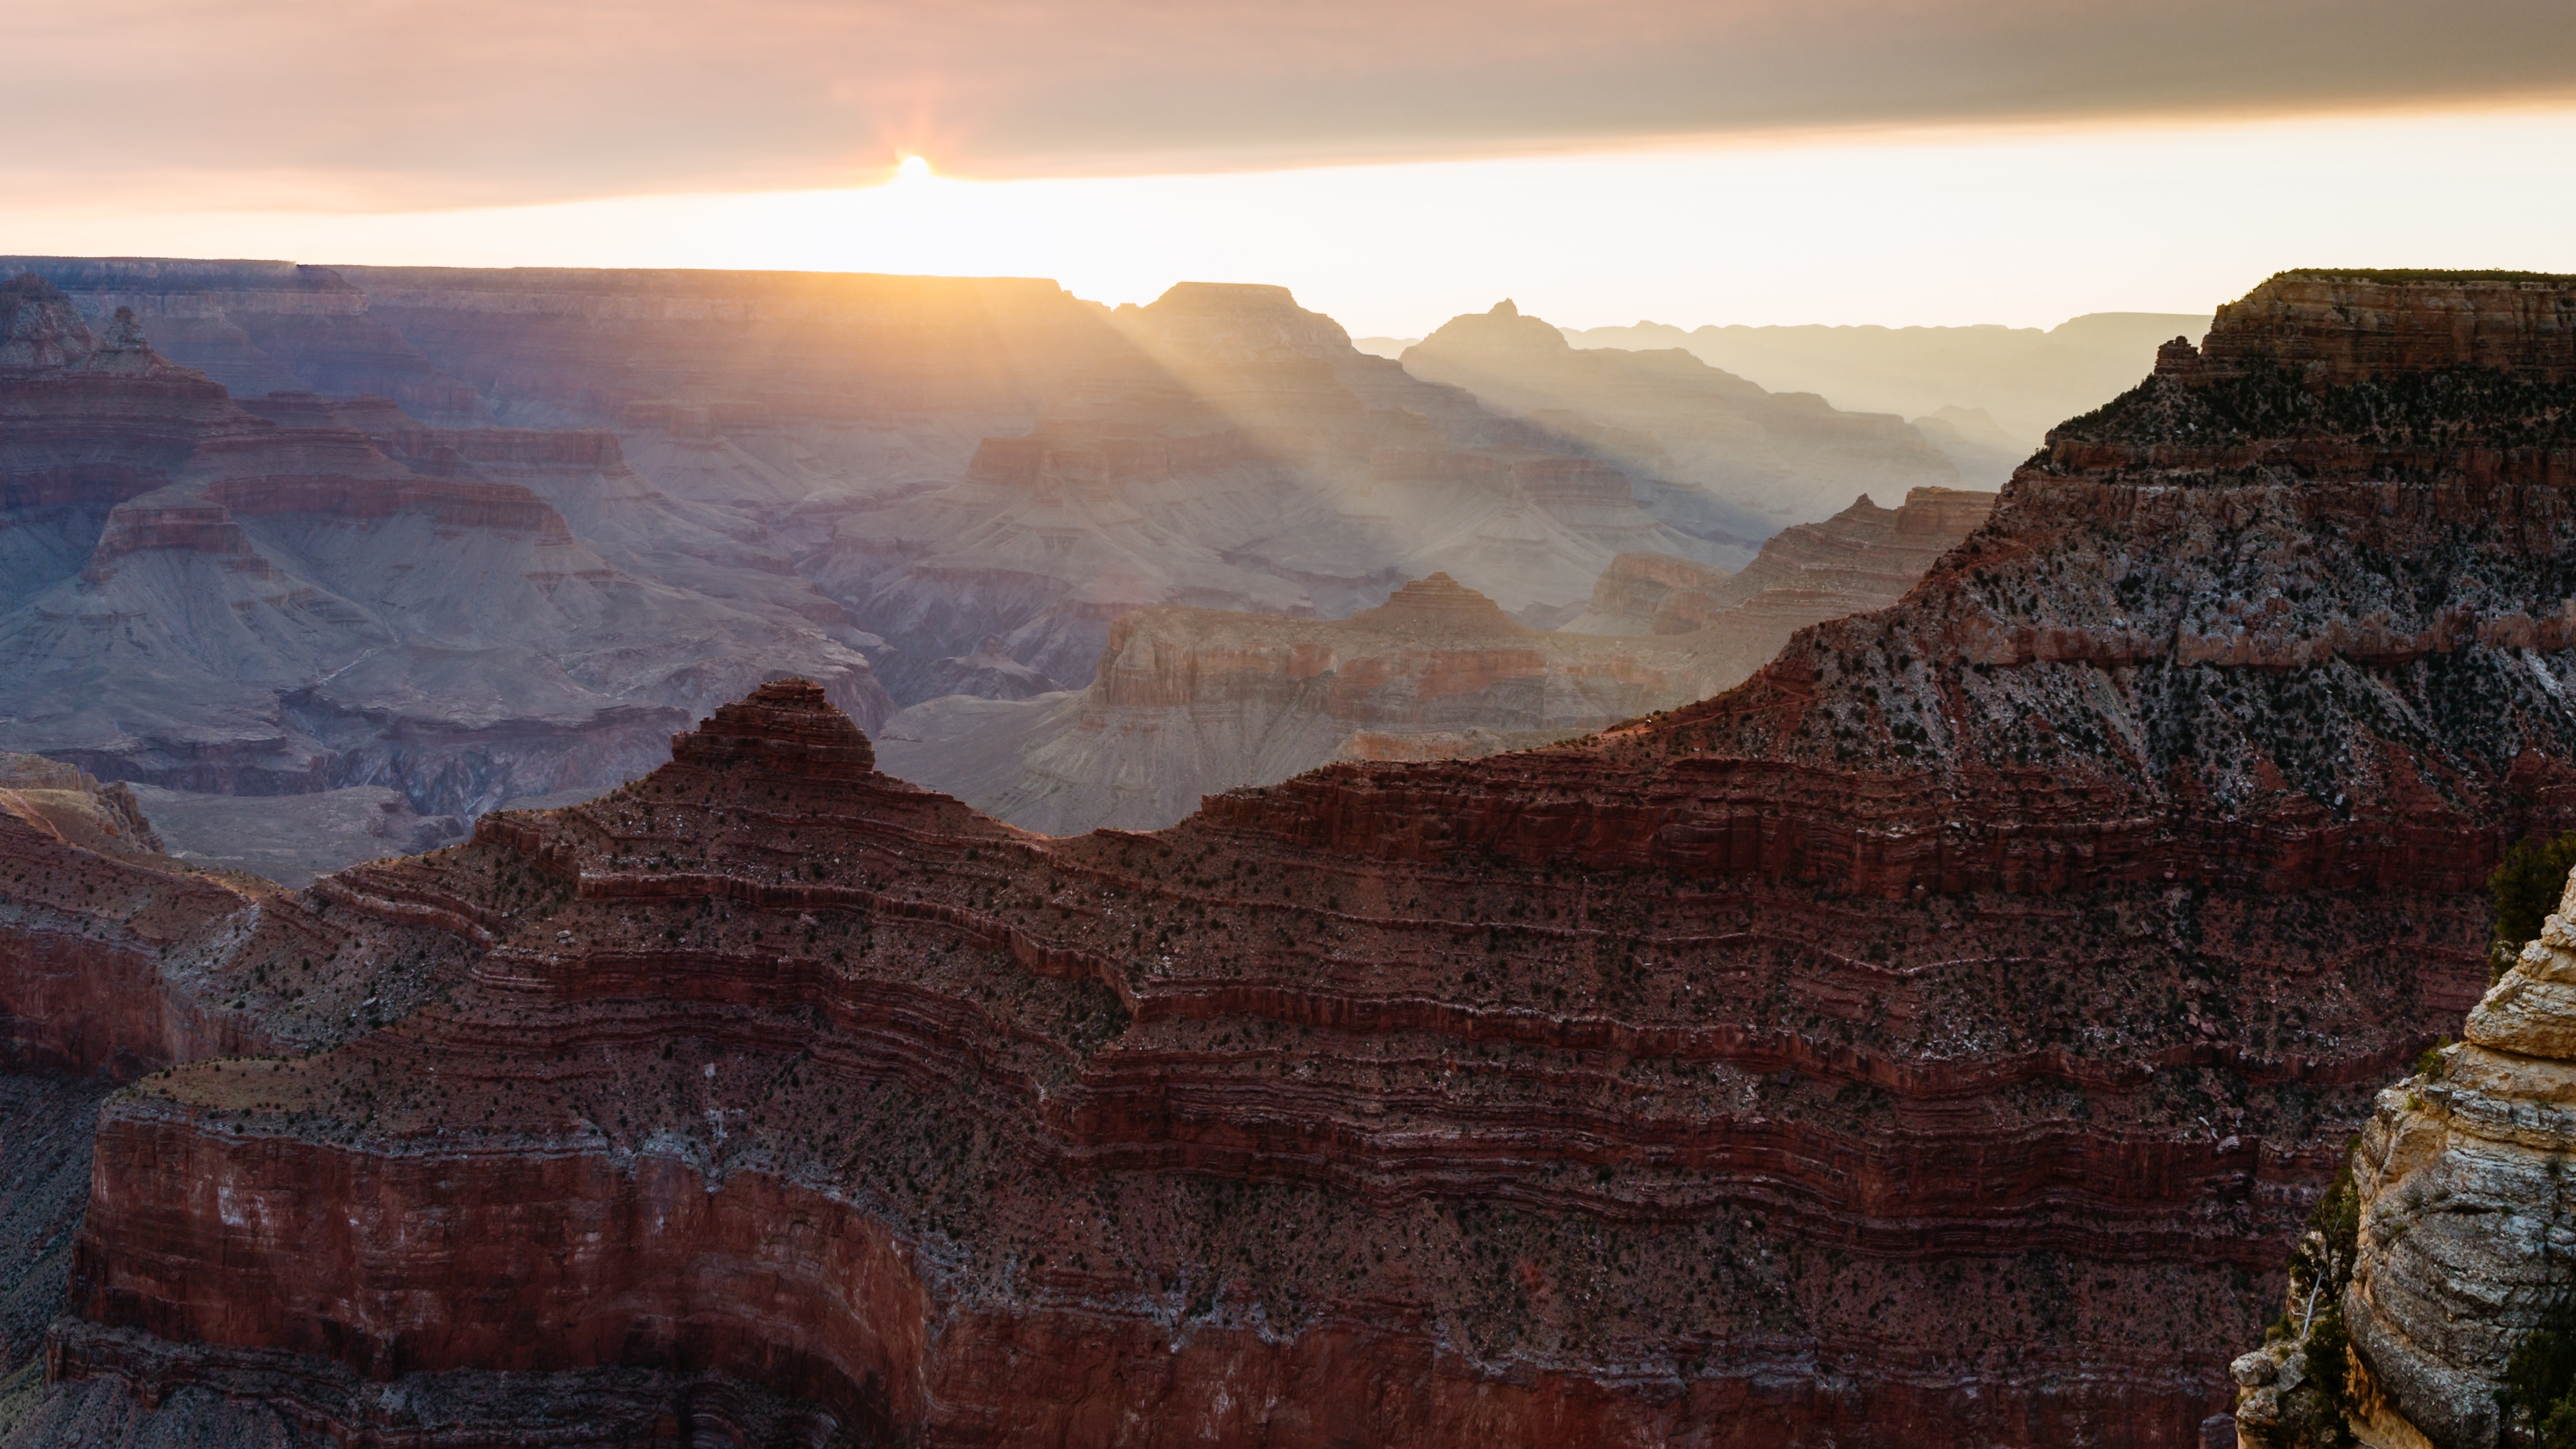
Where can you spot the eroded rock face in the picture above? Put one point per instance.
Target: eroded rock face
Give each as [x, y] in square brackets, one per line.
[1193, 702]
[1863, 558]
[117, 961]
[2342, 327]
[2465, 1226]
[1935, 1040]
[281, 598]
[65, 801]
[1333, 1154]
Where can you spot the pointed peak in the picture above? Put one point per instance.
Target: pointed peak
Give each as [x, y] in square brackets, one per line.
[1502, 329]
[1439, 604]
[787, 727]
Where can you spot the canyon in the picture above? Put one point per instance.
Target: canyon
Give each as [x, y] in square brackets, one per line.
[1936, 1039]
[949, 461]
[475, 536]
[1193, 702]
[257, 598]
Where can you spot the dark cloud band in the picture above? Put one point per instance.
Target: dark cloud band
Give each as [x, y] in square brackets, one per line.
[423, 103]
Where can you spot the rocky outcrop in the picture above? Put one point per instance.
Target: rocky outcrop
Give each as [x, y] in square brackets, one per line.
[1193, 702]
[1713, 439]
[786, 728]
[2460, 1233]
[1630, 594]
[1863, 558]
[2331, 327]
[76, 809]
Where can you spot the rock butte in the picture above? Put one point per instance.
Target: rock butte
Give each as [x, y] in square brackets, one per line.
[1863, 558]
[1934, 1040]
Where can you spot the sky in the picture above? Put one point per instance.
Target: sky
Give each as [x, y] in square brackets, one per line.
[1842, 161]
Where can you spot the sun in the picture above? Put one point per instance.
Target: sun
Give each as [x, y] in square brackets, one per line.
[912, 168]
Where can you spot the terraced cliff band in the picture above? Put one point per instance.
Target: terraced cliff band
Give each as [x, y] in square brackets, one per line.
[1938, 1039]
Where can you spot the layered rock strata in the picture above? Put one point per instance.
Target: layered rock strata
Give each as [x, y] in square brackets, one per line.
[1193, 702]
[67, 803]
[830, 1087]
[280, 598]
[1863, 558]
[2464, 1229]
[117, 961]
[1935, 1040]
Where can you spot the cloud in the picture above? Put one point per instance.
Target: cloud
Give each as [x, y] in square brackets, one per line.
[405, 103]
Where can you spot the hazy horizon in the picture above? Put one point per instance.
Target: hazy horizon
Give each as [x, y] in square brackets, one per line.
[1860, 162]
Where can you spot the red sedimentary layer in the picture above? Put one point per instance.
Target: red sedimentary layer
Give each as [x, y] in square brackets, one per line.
[2358, 325]
[1862, 558]
[1322, 1049]
[1929, 1042]
[449, 502]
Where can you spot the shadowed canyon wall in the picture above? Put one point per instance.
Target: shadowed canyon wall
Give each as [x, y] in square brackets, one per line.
[1935, 1040]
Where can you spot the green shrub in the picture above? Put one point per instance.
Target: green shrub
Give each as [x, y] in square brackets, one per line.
[2322, 1265]
[2319, 1271]
[2538, 1378]
[2329, 1367]
[2526, 887]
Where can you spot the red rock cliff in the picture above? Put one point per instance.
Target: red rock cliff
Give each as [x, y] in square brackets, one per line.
[1932, 1041]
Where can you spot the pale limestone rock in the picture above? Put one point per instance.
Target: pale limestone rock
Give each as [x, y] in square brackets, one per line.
[2468, 1207]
